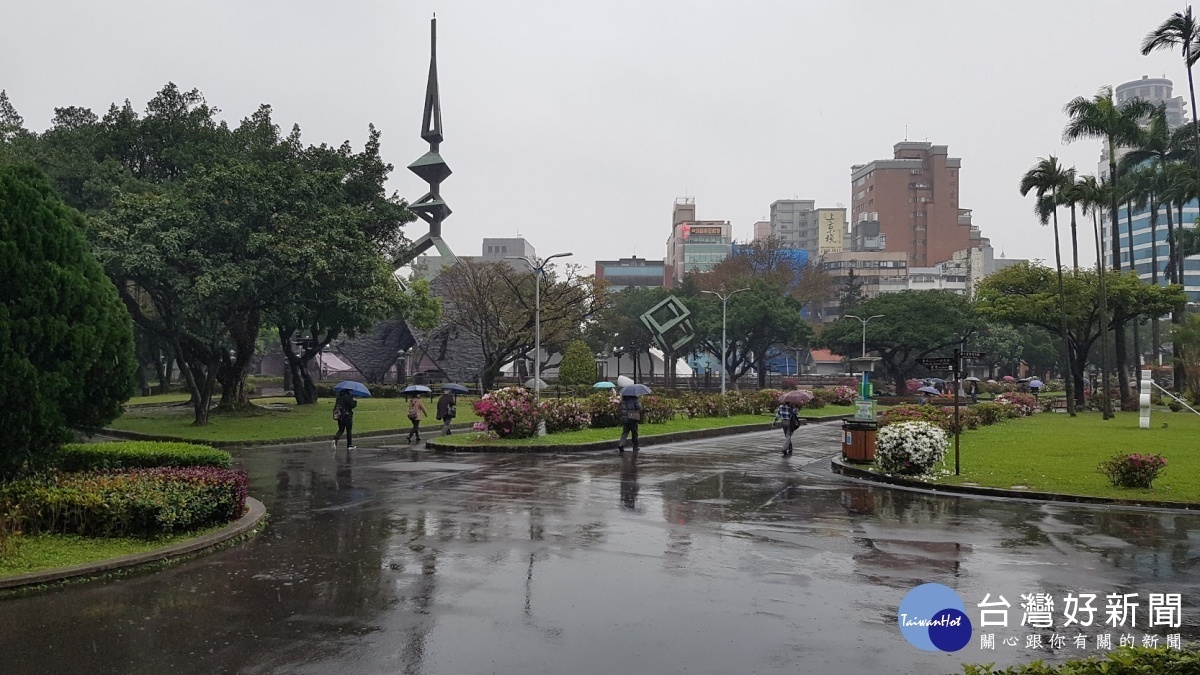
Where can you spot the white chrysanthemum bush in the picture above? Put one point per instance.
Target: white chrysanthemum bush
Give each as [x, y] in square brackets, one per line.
[910, 448]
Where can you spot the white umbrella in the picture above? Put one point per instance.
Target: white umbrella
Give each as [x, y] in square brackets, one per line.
[623, 381]
[534, 383]
[972, 379]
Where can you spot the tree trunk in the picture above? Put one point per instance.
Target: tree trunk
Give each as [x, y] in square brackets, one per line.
[1062, 314]
[303, 387]
[1120, 349]
[762, 373]
[233, 371]
[1102, 274]
[1074, 241]
[1154, 331]
[1127, 397]
[167, 371]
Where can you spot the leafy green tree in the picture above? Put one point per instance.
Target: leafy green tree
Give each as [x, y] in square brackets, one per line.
[914, 324]
[758, 323]
[1026, 295]
[578, 366]
[852, 293]
[1117, 125]
[1048, 179]
[1002, 346]
[66, 343]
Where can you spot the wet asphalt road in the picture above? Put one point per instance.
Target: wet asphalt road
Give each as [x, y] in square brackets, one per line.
[715, 556]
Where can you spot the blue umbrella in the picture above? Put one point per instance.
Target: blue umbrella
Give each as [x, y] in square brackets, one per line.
[357, 388]
[604, 385]
[1035, 383]
[929, 390]
[417, 389]
[635, 390]
[455, 388]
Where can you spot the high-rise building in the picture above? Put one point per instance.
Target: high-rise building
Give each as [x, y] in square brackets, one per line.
[694, 245]
[794, 222]
[1155, 91]
[914, 198]
[630, 272]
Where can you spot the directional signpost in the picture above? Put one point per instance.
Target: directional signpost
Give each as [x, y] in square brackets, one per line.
[953, 364]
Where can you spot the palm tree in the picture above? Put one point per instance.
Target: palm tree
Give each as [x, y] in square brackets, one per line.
[1047, 178]
[1180, 30]
[1157, 146]
[1181, 183]
[1128, 188]
[1092, 195]
[1068, 195]
[1148, 184]
[1100, 117]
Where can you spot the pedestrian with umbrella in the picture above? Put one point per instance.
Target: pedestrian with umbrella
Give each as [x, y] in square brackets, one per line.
[788, 415]
[416, 409]
[973, 385]
[1035, 385]
[343, 410]
[925, 392]
[447, 405]
[631, 414]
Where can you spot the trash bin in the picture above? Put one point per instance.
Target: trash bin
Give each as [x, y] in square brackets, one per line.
[858, 440]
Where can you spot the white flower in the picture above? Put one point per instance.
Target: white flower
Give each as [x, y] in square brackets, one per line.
[911, 448]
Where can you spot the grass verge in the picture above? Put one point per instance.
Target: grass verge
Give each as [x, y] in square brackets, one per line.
[1052, 452]
[282, 419]
[39, 552]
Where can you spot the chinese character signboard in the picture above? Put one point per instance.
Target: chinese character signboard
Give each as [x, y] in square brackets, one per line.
[831, 230]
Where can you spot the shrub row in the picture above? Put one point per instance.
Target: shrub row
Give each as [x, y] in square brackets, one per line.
[1120, 661]
[512, 412]
[133, 502]
[138, 454]
[970, 417]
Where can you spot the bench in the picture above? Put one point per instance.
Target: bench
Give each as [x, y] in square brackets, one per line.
[1059, 404]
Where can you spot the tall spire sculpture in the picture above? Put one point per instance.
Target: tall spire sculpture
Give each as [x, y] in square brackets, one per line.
[431, 168]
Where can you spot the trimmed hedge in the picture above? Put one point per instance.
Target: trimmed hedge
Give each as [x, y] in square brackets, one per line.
[138, 454]
[1120, 661]
[136, 502]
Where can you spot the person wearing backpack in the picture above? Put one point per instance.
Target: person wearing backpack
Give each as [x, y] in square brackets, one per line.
[789, 419]
[631, 416]
[447, 410]
[343, 412]
[416, 413]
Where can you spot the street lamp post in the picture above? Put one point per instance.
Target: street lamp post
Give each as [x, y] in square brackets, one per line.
[864, 327]
[724, 344]
[538, 267]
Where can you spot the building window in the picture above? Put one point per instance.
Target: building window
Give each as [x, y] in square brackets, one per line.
[504, 249]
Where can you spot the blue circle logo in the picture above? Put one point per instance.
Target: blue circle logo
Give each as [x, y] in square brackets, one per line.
[932, 617]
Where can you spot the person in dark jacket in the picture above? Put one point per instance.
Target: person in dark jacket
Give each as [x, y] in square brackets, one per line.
[343, 412]
[631, 416]
[446, 410]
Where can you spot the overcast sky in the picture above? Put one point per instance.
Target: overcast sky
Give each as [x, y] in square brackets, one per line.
[577, 124]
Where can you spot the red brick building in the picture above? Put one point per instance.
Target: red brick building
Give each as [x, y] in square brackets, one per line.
[914, 197]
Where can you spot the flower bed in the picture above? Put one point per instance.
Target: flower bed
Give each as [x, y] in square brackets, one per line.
[509, 412]
[134, 502]
[910, 448]
[1025, 404]
[565, 414]
[138, 454]
[1135, 470]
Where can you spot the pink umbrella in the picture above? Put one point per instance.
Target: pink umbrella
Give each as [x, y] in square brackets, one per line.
[1008, 378]
[797, 396]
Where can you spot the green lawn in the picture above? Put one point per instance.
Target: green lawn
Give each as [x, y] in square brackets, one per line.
[48, 551]
[1054, 453]
[159, 399]
[833, 411]
[283, 419]
[608, 434]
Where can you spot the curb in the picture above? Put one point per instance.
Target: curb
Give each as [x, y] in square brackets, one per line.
[655, 439]
[136, 436]
[255, 512]
[840, 467]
